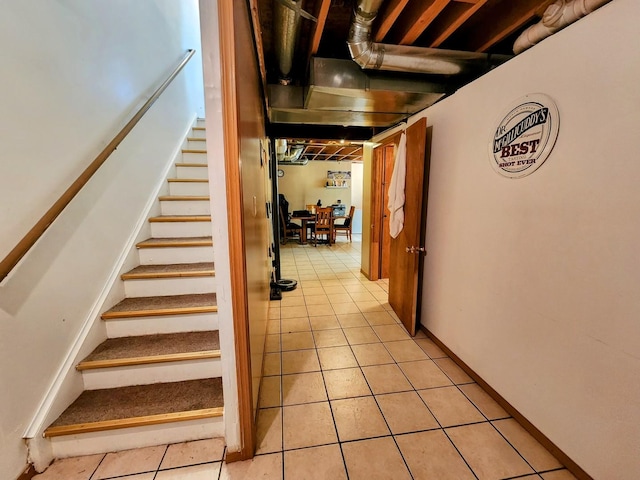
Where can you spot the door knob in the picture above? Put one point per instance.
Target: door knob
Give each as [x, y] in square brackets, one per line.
[413, 249]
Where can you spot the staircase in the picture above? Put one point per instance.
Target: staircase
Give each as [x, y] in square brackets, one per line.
[157, 378]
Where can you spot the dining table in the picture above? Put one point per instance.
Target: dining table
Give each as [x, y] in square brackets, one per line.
[310, 218]
[303, 220]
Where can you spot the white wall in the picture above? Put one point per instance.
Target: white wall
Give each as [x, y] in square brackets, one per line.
[534, 282]
[357, 184]
[72, 73]
[305, 184]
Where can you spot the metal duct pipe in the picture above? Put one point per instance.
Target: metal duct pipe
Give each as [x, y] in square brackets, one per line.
[290, 155]
[557, 16]
[400, 58]
[286, 27]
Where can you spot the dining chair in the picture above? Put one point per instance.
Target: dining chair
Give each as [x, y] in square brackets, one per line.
[323, 225]
[345, 227]
[289, 229]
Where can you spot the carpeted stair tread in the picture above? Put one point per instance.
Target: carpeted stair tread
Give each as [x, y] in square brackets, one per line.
[152, 345]
[171, 270]
[164, 302]
[142, 400]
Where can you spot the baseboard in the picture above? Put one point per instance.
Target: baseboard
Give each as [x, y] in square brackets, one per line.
[366, 274]
[231, 457]
[572, 466]
[28, 474]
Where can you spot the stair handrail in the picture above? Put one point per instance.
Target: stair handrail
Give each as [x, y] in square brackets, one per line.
[24, 245]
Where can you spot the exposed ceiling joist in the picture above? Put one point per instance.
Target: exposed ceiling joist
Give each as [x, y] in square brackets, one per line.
[416, 17]
[451, 20]
[501, 19]
[333, 100]
[390, 13]
[318, 27]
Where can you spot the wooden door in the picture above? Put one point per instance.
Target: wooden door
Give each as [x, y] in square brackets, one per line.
[380, 246]
[388, 154]
[405, 265]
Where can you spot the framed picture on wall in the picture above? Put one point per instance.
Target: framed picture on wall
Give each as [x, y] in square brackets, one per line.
[337, 178]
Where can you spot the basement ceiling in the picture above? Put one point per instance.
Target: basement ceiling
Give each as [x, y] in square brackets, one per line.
[327, 150]
[325, 88]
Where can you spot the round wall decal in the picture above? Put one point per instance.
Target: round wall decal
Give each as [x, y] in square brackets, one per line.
[524, 136]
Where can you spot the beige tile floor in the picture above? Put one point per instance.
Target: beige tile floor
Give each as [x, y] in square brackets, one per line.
[347, 394]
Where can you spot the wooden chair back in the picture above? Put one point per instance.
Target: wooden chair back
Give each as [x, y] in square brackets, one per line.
[288, 229]
[323, 224]
[347, 226]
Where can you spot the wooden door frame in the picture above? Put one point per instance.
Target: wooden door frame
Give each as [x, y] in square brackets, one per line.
[239, 290]
[377, 204]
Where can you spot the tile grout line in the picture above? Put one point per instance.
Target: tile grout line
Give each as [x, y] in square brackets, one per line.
[456, 385]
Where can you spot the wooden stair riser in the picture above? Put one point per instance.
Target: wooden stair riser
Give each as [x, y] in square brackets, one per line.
[191, 171]
[201, 122]
[181, 230]
[189, 188]
[136, 326]
[185, 207]
[196, 143]
[194, 156]
[99, 378]
[136, 437]
[149, 287]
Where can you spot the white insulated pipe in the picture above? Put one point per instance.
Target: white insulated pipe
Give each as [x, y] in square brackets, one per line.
[558, 15]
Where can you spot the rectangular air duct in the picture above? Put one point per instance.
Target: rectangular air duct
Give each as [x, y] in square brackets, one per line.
[340, 93]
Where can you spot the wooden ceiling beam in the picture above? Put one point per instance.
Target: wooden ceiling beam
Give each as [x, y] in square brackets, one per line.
[318, 28]
[317, 154]
[510, 17]
[415, 19]
[388, 17]
[334, 153]
[452, 19]
[352, 155]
